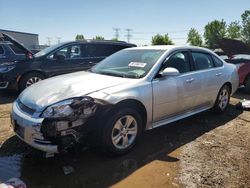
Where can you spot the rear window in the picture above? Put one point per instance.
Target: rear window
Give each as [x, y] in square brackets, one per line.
[16, 49]
[217, 62]
[202, 61]
[1, 50]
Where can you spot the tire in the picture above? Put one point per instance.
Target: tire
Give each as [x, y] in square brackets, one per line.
[121, 132]
[30, 79]
[247, 85]
[222, 99]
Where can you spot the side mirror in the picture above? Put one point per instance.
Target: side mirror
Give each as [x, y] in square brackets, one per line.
[59, 57]
[169, 71]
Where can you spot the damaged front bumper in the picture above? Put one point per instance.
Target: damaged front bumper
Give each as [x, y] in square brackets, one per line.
[48, 135]
[28, 129]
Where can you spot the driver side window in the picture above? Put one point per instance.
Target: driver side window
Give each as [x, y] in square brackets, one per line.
[69, 52]
[179, 61]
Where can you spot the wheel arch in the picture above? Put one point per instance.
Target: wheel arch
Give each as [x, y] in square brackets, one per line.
[135, 104]
[32, 71]
[229, 84]
[19, 79]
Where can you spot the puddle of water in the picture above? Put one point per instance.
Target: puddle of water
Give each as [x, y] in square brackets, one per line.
[10, 166]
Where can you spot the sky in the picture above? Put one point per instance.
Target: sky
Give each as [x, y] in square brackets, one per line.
[62, 20]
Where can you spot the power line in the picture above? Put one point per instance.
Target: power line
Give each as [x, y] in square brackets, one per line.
[128, 34]
[116, 32]
[49, 40]
[58, 39]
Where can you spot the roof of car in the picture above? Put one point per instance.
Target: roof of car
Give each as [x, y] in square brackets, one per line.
[168, 47]
[102, 41]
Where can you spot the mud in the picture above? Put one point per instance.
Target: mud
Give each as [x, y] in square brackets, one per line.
[205, 150]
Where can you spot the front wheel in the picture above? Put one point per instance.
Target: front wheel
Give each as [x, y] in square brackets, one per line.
[121, 131]
[222, 100]
[29, 79]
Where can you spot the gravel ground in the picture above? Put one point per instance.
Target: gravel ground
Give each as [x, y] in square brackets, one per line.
[205, 150]
[219, 158]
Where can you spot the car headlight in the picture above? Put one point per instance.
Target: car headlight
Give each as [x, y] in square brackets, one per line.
[6, 68]
[82, 107]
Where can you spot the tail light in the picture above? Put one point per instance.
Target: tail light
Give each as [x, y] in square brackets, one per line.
[29, 55]
[239, 65]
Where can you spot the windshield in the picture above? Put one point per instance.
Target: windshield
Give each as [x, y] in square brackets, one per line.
[47, 50]
[133, 63]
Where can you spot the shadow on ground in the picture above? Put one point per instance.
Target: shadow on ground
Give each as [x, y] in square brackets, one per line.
[242, 94]
[92, 169]
[8, 96]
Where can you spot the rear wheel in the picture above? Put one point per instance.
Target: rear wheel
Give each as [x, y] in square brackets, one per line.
[222, 100]
[121, 131]
[29, 79]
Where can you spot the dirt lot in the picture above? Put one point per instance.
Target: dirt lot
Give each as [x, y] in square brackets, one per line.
[205, 150]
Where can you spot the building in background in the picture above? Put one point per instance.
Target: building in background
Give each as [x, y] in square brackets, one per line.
[29, 40]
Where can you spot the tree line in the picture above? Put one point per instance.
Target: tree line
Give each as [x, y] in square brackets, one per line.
[213, 32]
[218, 29]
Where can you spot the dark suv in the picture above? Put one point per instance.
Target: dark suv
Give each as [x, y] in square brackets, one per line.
[19, 70]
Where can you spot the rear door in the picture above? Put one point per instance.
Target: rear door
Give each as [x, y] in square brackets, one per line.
[98, 51]
[210, 75]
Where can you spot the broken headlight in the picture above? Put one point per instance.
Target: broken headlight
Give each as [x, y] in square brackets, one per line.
[82, 107]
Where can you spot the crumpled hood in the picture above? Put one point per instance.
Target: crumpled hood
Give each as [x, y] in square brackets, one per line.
[52, 90]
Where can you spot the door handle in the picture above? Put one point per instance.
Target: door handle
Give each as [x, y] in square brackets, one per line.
[218, 74]
[91, 62]
[190, 80]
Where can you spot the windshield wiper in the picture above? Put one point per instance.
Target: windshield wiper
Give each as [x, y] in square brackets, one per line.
[112, 74]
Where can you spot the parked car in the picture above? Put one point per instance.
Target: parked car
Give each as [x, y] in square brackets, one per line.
[20, 72]
[238, 53]
[132, 90]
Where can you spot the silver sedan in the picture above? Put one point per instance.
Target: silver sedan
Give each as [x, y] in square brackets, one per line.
[130, 91]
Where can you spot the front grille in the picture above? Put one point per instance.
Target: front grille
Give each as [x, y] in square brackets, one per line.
[25, 108]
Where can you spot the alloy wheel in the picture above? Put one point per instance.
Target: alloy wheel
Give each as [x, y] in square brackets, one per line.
[32, 80]
[124, 132]
[223, 98]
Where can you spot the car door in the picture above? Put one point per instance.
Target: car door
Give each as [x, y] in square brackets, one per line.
[174, 95]
[210, 76]
[96, 52]
[67, 59]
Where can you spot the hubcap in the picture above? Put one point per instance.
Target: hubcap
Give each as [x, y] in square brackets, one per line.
[32, 80]
[223, 99]
[124, 132]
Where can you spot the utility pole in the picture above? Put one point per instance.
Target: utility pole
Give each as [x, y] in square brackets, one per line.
[128, 34]
[116, 32]
[49, 41]
[58, 39]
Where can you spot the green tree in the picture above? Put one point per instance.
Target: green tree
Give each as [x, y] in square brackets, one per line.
[161, 40]
[214, 31]
[98, 37]
[246, 26]
[234, 30]
[194, 38]
[79, 37]
[114, 39]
